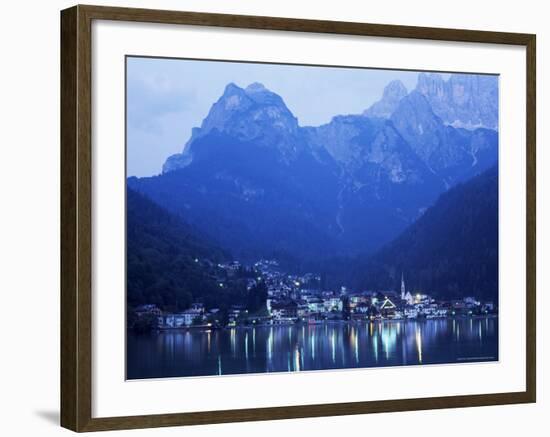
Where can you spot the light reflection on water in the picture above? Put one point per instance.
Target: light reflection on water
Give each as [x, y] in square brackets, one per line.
[311, 347]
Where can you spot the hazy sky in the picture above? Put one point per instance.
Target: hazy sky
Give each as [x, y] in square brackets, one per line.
[168, 97]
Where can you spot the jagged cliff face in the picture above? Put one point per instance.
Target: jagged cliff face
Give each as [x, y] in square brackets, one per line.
[465, 100]
[255, 180]
[453, 154]
[253, 113]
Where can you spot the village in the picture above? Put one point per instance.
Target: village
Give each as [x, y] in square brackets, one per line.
[295, 299]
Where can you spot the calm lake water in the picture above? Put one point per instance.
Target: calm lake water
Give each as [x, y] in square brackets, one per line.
[331, 345]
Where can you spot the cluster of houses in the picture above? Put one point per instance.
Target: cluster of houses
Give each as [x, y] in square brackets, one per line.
[300, 299]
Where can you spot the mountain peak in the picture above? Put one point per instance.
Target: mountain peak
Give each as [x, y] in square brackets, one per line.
[395, 90]
[392, 95]
[252, 113]
[255, 87]
[233, 98]
[232, 88]
[236, 97]
[263, 96]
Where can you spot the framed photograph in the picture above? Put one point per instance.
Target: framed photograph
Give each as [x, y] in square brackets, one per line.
[268, 218]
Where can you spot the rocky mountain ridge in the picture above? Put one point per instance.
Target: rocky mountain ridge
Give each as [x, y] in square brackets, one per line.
[259, 183]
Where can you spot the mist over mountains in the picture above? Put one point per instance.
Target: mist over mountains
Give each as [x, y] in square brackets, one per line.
[260, 185]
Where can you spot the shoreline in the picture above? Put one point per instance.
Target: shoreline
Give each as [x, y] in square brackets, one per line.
[322, 322]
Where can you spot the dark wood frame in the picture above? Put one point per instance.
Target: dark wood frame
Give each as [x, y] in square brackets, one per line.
[76, 221]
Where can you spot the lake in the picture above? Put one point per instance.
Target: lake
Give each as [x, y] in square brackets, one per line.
[329, 345]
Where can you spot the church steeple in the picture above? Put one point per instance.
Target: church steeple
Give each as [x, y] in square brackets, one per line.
[403, 290]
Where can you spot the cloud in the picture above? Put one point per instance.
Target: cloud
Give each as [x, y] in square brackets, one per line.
[152, 97]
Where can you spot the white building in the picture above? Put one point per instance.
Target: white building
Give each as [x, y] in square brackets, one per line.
[180, 320]
[410, 313]
[316, 305]
[333, 304]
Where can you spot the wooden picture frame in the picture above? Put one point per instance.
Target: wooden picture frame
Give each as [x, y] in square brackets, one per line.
[76, 217]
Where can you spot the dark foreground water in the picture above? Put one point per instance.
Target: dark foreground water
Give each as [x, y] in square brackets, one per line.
[336, 345]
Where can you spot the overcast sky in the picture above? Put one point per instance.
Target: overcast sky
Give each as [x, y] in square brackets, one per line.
[168, 97]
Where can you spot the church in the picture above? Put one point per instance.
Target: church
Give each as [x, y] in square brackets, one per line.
[405, 295]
